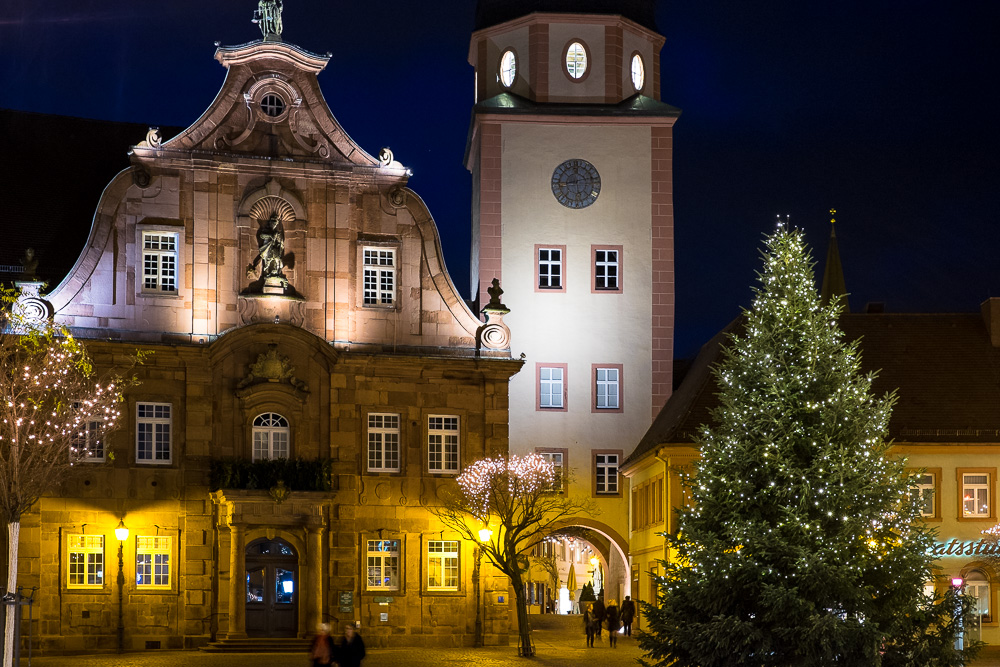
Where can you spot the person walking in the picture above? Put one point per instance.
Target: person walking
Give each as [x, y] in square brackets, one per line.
[321, 651]
[590, 627]
[614, 624]
[351, 649]
[628, 615]
[600, 612]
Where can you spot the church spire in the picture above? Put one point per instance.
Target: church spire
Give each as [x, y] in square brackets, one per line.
[833, 272]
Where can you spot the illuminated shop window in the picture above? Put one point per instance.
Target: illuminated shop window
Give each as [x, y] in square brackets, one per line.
[152, 562]
[383, 565]
[153, 433]
[271, 437]
[442, 565]
[576, 60]
[551, 387]
[606, 474]
[550, 268]
[379, 276]
[383, 442]
[976, 494]
[159, 262]
[508, 68]
[86, 561]
[638, 72]
[606, 388]
[442, 443]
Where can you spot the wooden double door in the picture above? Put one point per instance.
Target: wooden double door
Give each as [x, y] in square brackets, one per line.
[272, 579]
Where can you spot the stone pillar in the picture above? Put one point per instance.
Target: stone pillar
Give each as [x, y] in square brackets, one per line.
[237, 584]
[312, 588]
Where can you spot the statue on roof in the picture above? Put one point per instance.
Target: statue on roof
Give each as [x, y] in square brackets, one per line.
[268, 18]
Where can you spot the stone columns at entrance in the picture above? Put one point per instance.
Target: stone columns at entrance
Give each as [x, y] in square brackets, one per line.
[312, 591]
[237, 584]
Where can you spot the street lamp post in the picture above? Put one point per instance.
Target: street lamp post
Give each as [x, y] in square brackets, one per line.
[484, 537]
[121, 532]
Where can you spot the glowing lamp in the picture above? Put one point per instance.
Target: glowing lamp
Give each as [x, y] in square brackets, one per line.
[485, 534]
[957, 582]
[121, 532]
[594, 561]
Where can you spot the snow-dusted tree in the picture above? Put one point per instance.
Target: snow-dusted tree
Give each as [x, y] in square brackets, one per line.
[53, 405]
[513, 498]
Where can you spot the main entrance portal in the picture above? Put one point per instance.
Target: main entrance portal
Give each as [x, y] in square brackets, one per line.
[272, 589]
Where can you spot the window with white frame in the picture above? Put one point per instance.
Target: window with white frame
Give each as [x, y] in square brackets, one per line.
[159, 262]
[383, 442]
[383, 565]
[442, 443]
[442, 565]
[551, 383]
[606, 269]
[271, 437]
[87, 443]
[576, 60]
[923, 491]
[606, 388]
[606, 473]
[152, 561]
[550, 268]
[153, 433]
[379, 276]
[86, 561]
[978, 586]
[976, 494]
[558, 461]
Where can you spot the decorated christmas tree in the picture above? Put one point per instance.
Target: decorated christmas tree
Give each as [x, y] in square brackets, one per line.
[802, 543]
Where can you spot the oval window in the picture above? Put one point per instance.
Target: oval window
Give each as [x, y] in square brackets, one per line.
[576, 60]
[508, 68]
[272, 105]
[638, 72]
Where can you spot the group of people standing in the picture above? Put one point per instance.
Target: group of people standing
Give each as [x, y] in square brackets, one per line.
[348, 652]
[595, 617]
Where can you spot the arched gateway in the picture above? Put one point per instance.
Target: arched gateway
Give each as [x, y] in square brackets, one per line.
[271, 589]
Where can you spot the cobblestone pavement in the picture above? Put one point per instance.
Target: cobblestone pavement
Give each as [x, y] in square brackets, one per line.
[559, 642]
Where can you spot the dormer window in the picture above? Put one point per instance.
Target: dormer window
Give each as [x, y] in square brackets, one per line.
[508, 68]
[576, 60]
[272, 105]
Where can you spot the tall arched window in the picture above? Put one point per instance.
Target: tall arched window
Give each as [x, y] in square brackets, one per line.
[270, 437]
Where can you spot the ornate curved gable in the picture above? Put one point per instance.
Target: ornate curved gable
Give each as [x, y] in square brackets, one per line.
[270, 105]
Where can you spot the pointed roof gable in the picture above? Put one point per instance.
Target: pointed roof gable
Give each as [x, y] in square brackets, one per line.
[833, 273]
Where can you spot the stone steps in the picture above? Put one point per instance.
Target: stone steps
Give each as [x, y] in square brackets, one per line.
[259, 645]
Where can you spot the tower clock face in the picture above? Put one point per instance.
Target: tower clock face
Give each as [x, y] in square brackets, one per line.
[576, 183]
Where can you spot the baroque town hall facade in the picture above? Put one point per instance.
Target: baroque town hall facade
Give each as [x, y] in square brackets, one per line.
[292, 291]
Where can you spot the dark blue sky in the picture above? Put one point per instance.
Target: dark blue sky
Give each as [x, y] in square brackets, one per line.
[884, 110]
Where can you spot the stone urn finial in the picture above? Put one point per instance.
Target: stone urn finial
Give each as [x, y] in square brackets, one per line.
[494, 335]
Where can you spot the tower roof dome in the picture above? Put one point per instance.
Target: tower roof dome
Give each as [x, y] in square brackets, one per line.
[492, 12]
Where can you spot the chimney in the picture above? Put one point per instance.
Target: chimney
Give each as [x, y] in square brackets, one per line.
[991, 316]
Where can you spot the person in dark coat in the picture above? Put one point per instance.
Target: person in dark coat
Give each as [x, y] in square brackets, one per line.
[321, 651]
[614, 624]
[590, 627]
[600, 612]
[628, 615]
[351, 650]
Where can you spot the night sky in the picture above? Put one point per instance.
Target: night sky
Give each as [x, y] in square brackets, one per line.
[883, 110]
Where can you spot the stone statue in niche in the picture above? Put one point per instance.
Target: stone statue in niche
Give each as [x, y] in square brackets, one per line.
[270, 256]
[268, 18]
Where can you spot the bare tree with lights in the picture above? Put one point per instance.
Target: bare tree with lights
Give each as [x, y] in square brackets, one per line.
[803, 544]
[53, 408]
[508, 505]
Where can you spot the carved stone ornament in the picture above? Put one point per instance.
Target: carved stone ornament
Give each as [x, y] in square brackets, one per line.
[494, 335]
[397, 197]
[279, 492]
[385, 157]
[272, 367]
[153, 139]
[30, 310]
[141, 177]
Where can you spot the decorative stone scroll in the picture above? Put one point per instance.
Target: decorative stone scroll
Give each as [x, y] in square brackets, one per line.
[494, 335]
[29, 310]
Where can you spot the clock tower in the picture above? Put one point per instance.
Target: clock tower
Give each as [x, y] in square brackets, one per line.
[570, 152]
